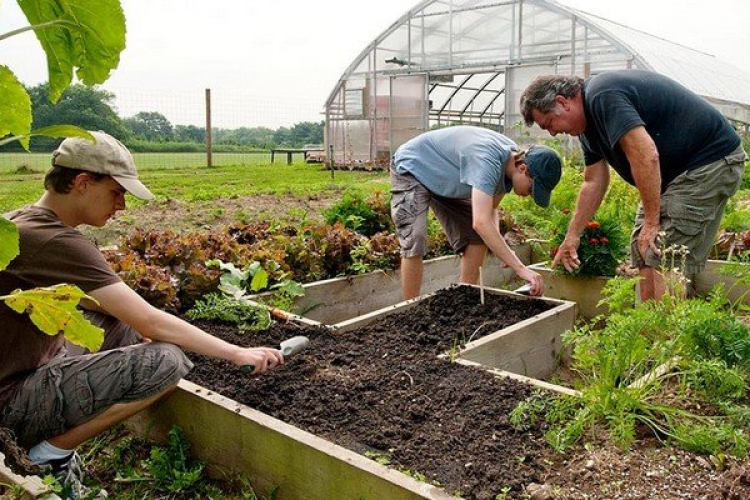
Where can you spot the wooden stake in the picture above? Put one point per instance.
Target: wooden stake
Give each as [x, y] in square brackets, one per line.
[481, 286]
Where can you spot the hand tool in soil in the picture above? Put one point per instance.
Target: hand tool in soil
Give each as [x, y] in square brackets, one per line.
[523, 289]
[288, 348]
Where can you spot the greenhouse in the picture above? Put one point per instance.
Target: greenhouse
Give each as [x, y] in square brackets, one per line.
[467, 61]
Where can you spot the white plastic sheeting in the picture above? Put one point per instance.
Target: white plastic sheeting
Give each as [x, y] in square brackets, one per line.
[467, 61]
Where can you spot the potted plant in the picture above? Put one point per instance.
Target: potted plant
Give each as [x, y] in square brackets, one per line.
[601, 250]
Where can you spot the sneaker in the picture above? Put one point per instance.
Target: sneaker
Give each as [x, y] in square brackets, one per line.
[68, 472]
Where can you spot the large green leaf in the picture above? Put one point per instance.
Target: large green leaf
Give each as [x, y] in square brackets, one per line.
[8, 242]
[54, 131]
[15, 106]
[54, 310]
[260, 280]
[92, 46]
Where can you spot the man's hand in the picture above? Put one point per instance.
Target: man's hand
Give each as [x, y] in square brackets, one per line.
[647, 239]
[261, 359]
[535, 280]
[567, 254]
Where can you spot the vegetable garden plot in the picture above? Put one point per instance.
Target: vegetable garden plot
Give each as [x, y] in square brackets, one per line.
[379, 390]
[339, 299]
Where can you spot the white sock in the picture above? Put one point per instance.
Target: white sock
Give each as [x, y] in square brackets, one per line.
[45, 451]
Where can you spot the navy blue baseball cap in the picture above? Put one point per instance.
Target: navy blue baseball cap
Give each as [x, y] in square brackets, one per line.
[545, 167]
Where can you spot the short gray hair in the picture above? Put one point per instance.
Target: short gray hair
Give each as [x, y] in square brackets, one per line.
[541, 93]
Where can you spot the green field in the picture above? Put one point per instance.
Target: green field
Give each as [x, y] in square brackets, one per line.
[11, 162]
[198, 183]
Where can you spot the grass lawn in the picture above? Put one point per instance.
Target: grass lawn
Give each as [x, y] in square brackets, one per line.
[12, 162]
[196, 184]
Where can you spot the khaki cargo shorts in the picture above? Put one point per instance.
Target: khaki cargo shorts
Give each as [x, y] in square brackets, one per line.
[691, 210]
[409, 204]
[73, 389]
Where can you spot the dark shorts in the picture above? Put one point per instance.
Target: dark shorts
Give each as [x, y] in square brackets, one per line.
[691, 210]
[72, 389]
[409, 205]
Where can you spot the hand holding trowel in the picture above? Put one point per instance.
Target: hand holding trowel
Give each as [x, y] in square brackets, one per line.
[288, 348]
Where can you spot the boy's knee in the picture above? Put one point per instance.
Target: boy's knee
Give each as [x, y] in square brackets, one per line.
[160, 367]
[172, 360]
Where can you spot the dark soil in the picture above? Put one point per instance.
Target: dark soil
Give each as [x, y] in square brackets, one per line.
[15, 456]
[382, 389]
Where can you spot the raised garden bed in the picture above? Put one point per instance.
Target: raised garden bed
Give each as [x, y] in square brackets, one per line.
[727, 273]
[378, 388]
[339, 299]
[586, 291]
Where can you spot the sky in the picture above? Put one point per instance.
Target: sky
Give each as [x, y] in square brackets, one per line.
[274, 63]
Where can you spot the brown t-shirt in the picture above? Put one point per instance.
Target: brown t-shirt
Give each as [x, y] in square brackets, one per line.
[50, 253]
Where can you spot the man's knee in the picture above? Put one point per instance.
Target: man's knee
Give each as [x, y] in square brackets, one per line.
[163, 366]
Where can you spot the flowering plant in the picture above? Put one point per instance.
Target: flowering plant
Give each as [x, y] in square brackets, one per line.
[602, 247]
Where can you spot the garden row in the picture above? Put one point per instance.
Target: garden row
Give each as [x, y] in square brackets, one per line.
[274, 451]
[676, 369]
[684, 351]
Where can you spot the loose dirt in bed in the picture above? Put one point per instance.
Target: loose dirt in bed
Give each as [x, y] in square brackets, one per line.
[382, 389]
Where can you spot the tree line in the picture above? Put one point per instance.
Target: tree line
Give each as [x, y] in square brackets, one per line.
[93, 109]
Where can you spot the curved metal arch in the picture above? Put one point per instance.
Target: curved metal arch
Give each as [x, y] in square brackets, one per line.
[482, 89]
[568, 12]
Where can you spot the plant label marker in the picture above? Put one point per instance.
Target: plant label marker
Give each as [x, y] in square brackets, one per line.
[481, 287]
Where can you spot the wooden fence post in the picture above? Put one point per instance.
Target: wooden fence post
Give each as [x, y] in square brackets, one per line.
[209, 159]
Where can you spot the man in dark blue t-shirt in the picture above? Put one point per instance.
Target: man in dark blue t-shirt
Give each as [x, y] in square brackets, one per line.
[681, 154]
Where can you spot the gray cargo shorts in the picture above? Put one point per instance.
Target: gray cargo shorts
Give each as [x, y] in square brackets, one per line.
[409, 204]
[691, 210]
[72, 389]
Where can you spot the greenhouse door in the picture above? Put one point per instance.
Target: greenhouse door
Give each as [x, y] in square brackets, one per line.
[408, 108]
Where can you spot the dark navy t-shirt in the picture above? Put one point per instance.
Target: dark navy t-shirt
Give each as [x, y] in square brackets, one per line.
[687, 130]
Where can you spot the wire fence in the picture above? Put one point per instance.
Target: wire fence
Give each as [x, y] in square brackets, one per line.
[40, 162]
[239, 121]
[230, 109]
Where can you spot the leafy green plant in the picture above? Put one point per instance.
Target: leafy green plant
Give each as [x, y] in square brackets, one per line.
[170, 468]
[62, 27]
[651, 365]
[12, 491]
[236, 283]
[602, 245]
[366, 217]
[224, 309]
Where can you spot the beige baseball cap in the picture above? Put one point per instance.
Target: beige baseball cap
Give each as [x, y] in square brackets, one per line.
[107, 156]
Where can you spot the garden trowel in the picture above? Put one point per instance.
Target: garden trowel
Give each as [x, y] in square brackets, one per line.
[288, 348]
[524, 289]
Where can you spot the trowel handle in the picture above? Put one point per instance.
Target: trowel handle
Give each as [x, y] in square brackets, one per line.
[294, 345]
[288, 348]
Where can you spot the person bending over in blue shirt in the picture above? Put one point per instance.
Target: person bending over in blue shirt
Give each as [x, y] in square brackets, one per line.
[462, 173]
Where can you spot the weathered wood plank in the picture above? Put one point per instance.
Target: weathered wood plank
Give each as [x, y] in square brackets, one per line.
[273, 453]
[712, 275]
[584, 290]
[32, 486]
[532, 347]
[339, 299]
[560, 389]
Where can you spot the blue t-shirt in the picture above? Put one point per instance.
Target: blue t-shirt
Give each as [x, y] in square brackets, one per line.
[451, 161]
